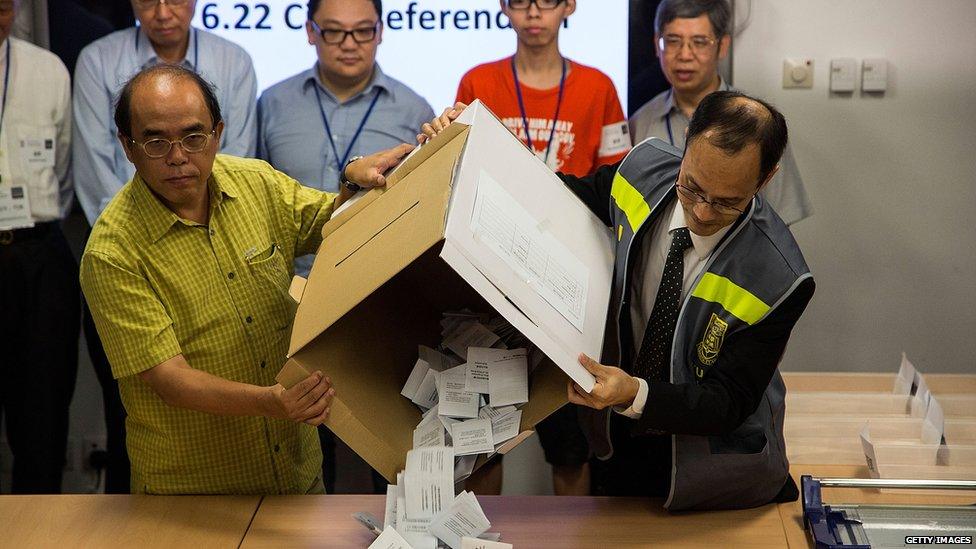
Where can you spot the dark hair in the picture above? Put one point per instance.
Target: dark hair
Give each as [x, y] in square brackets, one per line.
[718, 11]
[735, 121]
[313, 6]
[123, 108]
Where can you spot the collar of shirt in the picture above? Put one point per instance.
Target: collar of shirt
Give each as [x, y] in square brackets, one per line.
[379, 80]
[703, 245]
[668, 105]
[146, 55]
[159, 219]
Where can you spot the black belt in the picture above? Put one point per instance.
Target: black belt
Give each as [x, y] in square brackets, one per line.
[39, 230]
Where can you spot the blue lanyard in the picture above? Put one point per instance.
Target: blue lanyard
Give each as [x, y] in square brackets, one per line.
[6, 86]
[196, 48]
[525, 119]
[340, 162]
[667, 120]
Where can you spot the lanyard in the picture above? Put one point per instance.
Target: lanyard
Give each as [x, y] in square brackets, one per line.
[667, 120]
[340, 162]
[196, 48]
[525, 119]
[6, 86]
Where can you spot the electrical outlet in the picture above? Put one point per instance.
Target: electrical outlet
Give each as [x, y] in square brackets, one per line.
[797, 73]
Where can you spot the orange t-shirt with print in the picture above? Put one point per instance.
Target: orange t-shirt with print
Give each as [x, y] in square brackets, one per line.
[590, 131]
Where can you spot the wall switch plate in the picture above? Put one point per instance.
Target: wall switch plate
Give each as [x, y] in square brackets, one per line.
[843, 74]
[797, 73]
[874, 74]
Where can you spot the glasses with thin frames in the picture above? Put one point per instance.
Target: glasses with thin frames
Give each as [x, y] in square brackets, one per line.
[158, 147]
[672, 44]
[541, 4]
[338, 36]
[695, 196]
[149, 4]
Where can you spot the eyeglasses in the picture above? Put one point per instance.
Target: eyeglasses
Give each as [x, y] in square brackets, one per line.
[158, 148]
[672, 44]
[338, 36]
[149, 4]
[541, 4]
[696, 197]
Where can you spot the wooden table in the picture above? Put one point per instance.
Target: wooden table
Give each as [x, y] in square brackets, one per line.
[125, 521]
[527, 522]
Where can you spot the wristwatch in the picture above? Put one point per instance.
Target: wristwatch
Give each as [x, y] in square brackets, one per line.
[354, 187]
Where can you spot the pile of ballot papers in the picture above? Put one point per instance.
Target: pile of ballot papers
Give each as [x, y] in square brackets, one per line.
[470, 389]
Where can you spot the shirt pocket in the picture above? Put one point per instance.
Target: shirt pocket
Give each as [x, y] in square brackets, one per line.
[35, 151]
[273, 278]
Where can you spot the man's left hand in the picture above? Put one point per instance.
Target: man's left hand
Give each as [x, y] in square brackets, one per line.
[614, 387]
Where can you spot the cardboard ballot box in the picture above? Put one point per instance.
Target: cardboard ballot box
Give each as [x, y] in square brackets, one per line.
[471, 219]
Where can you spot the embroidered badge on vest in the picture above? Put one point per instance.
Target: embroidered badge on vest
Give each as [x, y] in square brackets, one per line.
[711, 342]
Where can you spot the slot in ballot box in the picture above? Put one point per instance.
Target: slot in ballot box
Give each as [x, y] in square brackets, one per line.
[471, 219]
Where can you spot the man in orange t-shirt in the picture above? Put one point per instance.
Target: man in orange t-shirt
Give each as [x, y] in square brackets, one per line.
[568, 114]
[537, 86]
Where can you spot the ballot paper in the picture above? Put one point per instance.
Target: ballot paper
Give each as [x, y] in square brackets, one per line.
[428, 481]
[389, 516]
[416, 377]
[436, 359]
[426, 395]
[419, 540]
[472, 437]
[464, 518]
[452, 399]
[476, 376]
[430, 432]
[390, 539]
[505, 427]
[508, 379]
[471, 334]
[489, 412]
[464, 466]
[404, 525]
[478, 543]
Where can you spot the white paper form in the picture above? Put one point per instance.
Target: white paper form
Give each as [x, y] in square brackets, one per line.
[508, 379]
[478, 543]
[415, 378]
[505, 427]
[452, 399]
[472, 437]
[389, 516]
[426, 396]
[429, 432]
[407, 527]
[464, 518]
[436, 359]
[428, 481]
[476, 376]
[488, 412]
[470, 334]
[390, 539]
[547, 266]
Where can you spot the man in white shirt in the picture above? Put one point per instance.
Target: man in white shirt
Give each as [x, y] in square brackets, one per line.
[39, 294]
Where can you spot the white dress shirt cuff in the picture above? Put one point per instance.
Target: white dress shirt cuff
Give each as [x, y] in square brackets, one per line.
[636, 409]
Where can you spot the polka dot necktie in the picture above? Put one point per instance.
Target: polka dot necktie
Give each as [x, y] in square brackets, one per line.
[655, 351]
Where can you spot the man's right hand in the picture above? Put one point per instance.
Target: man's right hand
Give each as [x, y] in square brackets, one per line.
[307, 402]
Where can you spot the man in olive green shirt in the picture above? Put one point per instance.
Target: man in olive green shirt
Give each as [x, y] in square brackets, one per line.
[187, 273]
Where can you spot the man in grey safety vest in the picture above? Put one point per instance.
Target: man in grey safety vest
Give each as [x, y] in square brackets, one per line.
[708, 284]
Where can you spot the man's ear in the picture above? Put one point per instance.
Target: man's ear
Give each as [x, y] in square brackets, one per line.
[657, 47]
[723, 46]
[768, 178]
[570, 8]
[310, 33]
[379, 33]
[126, 146]
[218, 131]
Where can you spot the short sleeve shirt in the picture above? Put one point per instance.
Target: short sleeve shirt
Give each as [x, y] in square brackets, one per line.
[159, 286]
[589, 131]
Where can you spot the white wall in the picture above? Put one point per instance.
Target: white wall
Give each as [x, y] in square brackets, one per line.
[892, 242]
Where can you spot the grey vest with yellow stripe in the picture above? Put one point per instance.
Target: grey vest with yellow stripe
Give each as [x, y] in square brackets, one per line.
[750, 272]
